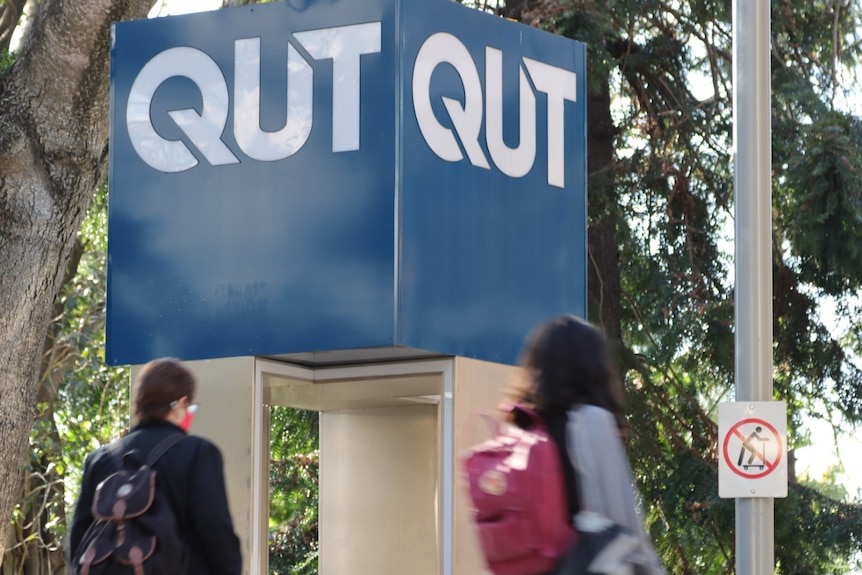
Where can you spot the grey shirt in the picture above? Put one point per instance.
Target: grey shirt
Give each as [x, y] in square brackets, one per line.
[605, 478]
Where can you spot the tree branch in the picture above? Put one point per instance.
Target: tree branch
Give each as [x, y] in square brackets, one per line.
[10, 14]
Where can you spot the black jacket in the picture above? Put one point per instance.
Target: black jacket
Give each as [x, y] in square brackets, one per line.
[191, 474]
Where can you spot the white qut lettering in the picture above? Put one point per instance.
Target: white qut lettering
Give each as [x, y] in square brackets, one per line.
[343, 45]
[270, 146]
[444, 48]
[560, 85]
[514, 162]
[203, 130]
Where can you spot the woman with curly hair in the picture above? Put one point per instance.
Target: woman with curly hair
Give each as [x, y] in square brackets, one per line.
[568, 379]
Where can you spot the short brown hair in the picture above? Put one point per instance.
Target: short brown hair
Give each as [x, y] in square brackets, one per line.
[161, 382]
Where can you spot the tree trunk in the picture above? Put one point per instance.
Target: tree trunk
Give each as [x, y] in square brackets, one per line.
[604, 253]
[33, 546]
[53, 154]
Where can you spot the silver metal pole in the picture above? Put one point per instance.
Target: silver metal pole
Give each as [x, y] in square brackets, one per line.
[752, 137]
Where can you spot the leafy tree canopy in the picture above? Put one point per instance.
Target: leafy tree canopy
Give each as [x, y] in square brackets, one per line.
[661, 223]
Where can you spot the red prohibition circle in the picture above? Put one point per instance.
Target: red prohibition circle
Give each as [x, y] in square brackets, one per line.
[769, 466]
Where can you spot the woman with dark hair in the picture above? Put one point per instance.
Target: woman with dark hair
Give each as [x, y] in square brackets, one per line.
[569, 381]
[189, 475]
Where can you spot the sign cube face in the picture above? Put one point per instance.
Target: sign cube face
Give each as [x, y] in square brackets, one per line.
[319, 176]
[493, 217]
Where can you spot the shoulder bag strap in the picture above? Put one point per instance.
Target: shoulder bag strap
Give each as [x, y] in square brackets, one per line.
[163, 447]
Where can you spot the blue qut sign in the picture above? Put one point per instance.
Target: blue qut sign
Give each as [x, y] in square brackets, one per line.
[315, 176]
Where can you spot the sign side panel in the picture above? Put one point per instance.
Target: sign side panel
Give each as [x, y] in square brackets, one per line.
[486, 255]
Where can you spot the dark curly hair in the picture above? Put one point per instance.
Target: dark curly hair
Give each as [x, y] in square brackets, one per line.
[566, 362]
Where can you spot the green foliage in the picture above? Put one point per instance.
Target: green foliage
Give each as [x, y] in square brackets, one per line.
[294, 491]
[92, 398]
[808, 515]
[821, 203]
[7, 58]
[92, 405]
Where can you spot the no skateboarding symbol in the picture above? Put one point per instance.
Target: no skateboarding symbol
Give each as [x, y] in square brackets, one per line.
[752, 454]
[760, 449]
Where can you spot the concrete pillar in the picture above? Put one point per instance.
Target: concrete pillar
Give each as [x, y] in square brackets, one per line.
[379, 472]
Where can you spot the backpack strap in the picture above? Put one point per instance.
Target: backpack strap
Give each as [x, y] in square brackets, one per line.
[558, 423]
[163, 447]
[117, 450]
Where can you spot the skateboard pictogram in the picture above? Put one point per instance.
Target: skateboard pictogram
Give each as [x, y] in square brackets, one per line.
[759, 441]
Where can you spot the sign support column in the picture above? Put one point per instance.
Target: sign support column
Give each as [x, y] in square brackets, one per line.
[755, 529]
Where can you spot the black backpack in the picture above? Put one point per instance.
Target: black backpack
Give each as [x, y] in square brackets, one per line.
[134, 529]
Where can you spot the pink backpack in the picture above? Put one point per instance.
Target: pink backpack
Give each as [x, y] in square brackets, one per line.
[518, 497]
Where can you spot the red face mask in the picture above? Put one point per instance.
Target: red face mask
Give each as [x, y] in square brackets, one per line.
[190, 414]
